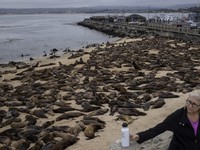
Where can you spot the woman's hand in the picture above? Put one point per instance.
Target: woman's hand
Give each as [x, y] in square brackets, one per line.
[134, 137]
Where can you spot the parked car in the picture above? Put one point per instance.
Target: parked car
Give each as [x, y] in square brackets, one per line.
[193, 25]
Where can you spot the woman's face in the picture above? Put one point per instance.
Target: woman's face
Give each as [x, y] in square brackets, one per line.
[193, 104]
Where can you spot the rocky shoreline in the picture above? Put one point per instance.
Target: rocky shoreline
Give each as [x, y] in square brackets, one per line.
[126, 30]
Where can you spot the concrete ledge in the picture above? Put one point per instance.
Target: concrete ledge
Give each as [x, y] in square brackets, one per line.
[160, 142]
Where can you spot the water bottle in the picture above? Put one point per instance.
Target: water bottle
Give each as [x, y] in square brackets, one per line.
[125, 135]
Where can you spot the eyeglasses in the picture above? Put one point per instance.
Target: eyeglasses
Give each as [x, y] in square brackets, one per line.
[189, 102]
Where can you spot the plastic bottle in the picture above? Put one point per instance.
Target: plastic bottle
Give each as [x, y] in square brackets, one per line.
[125, 135]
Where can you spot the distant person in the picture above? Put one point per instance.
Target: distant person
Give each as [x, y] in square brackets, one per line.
[184, 123]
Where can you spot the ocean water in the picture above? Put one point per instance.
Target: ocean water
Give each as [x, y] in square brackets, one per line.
[31, 35]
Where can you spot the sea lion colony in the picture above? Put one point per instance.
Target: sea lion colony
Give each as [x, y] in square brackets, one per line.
[119, 79]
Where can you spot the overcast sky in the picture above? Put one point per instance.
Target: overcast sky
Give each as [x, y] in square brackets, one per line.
[85, 3]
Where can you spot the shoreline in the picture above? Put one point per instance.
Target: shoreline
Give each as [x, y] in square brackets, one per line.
[115, 71]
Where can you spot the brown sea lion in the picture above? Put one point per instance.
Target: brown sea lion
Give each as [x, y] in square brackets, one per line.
[94, 118]
[66, 129]
[158, 103]
[47, 124]
[31, 120]
[130, 111]
[46, 136]
[21, 144]
[77, 128]
[29, 135]
[5, 140]
[64, 143]
[90, 130]
[87, 107]
[11, 133]
[69, 115]
[40, 113]
[9, 121]
[4, 147]
[63, 109]
[98, 112]
[113, 109]
[37, 145]
[126, 118]
[19, 125]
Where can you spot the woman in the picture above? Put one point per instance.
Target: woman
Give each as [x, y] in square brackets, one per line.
[184, 123]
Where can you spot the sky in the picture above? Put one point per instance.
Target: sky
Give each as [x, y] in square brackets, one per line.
[88, 3]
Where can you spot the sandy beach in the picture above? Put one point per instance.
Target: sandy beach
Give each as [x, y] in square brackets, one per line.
[112, 130]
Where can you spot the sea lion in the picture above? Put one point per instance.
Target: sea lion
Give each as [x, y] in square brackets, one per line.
[9, 121]
[36, 146]
[69, 115]
[158, 103]
[29, 135]
[11, 133]
[5, 140]
[40, 113]
[46, 136]
[167, 95]
[63, 109]
[90, 130]
[4, 147]
[31, 120]
[130, 111]
[20, 124]
[77, 128]
[87, 107]
[21, 144]
[66, 129]
[98, 112]
[94, 118]
[47, 124]
[126, 118]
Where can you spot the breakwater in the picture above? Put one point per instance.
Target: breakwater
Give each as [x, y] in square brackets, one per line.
[125, 29]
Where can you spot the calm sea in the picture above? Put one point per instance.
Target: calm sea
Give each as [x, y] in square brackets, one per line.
[31, 35]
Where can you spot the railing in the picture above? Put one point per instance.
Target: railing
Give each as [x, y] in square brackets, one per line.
[169, 28]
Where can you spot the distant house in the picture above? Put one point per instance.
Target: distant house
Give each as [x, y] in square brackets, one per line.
[135, 18]
[102, 18]
[195, 16]
[120, 19]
